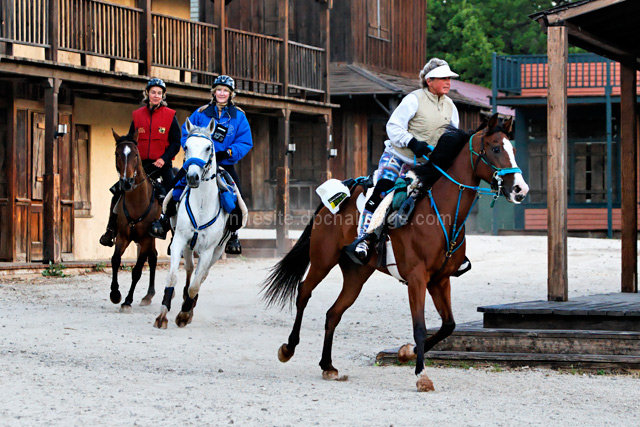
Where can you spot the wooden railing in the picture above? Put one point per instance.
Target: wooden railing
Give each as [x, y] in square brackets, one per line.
[100, 28]
[183, 44]
[24, 21]
[306, 67]
[253, 57]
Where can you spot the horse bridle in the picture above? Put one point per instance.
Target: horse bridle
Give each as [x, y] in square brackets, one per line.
[498, 173]
[206, 166]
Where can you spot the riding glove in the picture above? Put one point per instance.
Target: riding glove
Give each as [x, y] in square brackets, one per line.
[222, 155]
[419, 148]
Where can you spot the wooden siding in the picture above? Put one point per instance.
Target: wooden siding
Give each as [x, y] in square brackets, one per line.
[404, 51]
[578, 219]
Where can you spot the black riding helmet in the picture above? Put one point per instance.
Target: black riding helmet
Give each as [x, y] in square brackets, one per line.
[156, 82]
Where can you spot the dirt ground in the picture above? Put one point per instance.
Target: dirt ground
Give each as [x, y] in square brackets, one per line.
[68, 357]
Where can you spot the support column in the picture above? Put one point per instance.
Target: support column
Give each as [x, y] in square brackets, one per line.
[328, 146]
[219, 19]
[326, 37]
[283, 31]
[51, 249]
[629, 178]
[146, 37]
[557, 49]
[282, 186]
[53, 23]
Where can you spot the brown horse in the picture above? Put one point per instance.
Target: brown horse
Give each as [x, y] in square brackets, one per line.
[425, 256]
[137, 209]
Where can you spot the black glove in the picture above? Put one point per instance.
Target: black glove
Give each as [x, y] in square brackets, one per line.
[222, 155]
[419, 148]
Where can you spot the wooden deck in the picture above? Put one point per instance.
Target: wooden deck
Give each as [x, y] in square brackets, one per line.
[609, 312]
[595, 332]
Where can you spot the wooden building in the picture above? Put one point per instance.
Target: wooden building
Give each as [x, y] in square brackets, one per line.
[593, 138]
[84, 63]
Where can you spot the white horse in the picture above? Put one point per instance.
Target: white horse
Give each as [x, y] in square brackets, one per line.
[200, 224]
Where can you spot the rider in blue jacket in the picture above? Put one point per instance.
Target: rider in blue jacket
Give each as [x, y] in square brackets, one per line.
[236, 144]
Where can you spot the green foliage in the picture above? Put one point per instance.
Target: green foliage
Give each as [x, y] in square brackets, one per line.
[99, 267]
[125, 267]
[54, 270]
[466, 32]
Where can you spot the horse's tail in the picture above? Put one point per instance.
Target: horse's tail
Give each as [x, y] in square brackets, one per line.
[280, 288]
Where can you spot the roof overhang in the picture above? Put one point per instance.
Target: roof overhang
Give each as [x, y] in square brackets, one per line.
[606, 27]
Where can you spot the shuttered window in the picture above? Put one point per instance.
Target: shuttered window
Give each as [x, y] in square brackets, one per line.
[81, 172]
[379, 19]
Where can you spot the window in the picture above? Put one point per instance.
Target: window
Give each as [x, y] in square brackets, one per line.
[81, 172]
[379, 17]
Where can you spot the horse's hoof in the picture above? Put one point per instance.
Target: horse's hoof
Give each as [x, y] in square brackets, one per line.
[161, 322]
[184, 318]
[332, 375]
[115, 296]
[424, 383]
[406, 354]
[284, 354]
[146, 300]
[125, 308]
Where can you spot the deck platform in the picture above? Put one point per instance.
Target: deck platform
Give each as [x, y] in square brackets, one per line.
[598, 331]
[608, 312]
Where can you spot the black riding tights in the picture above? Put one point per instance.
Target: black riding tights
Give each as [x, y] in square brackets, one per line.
[379, 191]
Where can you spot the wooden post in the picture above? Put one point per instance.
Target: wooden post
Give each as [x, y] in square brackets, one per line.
[557, 49]
[629, 178]
[283, 31]
[282, 186]
[51, 249]
[146, 37]
[219, 19]
[53, 24]
[326, 35]
[326, 173]
[12, 127]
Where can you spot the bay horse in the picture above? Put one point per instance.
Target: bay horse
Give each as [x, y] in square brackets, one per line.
[428, 250]
[200, 225]
[137, 208]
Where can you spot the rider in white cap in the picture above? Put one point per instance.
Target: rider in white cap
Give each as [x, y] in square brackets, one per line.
[413, 129]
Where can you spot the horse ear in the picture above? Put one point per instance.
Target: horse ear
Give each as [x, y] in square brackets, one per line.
[493, 122]
[508, 125]
[134, 137]
[189, 125]
[212, 126]
[115, 135]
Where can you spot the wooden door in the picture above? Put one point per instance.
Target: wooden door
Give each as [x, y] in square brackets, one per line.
[6, 243]
[36, 182]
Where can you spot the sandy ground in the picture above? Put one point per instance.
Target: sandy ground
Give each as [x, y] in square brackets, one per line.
[68, 357]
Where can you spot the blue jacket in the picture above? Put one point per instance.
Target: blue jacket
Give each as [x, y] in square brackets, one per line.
[238, 136]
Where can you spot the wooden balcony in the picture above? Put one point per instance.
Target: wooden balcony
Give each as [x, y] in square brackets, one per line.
[139, 42]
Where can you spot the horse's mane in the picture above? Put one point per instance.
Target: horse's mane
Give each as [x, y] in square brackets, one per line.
[451, 136]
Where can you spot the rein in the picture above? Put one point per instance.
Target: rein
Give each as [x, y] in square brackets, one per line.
[194, 223]
[451, 243]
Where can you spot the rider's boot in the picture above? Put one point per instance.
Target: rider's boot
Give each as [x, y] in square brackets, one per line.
[361, 250]
[160, 226]
[107, 238]
[233, 245]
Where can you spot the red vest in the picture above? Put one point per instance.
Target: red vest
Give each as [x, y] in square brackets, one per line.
[153, 130]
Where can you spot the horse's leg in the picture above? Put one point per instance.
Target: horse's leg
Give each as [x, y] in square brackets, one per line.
[191, 296]
[121, 246]
[441, 295]
[136, 273]
[354, 278]
[417, 284]
[153, 262]
[176, 250]
[316, 273]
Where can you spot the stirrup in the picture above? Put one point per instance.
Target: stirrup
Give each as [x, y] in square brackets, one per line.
[362, 250]
[233, 246]
[358, 251]
[107, 238]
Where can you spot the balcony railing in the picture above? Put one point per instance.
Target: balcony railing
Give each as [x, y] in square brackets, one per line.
[100, 28]
[587, 74]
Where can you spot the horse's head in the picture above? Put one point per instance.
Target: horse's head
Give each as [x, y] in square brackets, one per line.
[199, 152]
[127, 159]
[495, 161]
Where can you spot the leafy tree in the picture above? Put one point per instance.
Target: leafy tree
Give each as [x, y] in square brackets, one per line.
[465, 32]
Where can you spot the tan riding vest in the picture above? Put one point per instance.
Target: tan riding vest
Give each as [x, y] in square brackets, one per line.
[431, 119]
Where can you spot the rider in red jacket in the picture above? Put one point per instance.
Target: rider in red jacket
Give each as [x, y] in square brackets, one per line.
[158, 142]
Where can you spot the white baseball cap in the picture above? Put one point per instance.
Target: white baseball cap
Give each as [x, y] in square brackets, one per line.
[441, 72]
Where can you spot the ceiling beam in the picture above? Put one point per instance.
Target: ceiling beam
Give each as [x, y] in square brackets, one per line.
[572, 12]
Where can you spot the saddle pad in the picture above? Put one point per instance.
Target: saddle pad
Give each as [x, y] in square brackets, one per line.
[391, 262]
